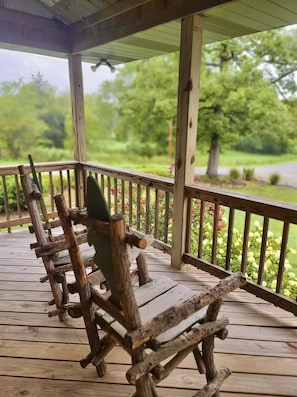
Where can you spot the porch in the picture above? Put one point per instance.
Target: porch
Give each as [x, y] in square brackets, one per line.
[40, 355]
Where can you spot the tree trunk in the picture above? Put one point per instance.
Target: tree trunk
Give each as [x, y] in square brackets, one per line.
[213, 159]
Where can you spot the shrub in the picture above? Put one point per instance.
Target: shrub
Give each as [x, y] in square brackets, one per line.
[289, 285]
[274, 178]
[234, 174]
[248, 174]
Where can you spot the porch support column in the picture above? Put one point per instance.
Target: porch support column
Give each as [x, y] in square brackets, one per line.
[186, 134]
[78, 120]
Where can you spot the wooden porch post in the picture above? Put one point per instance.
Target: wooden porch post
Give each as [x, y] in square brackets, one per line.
[186, 134]
[78, 120]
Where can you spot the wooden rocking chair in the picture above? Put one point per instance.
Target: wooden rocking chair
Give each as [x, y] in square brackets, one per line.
[52, 248]
[153, 322]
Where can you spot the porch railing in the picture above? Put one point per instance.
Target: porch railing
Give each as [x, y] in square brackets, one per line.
[225, 231]
[53, 178]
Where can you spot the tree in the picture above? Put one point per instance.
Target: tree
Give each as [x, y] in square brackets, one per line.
[239, 97]
[20, 125]
[238, 105]
[51, 110]
[147, 102]
[276, 51]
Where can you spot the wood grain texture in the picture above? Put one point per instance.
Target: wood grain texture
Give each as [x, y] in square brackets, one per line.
[39, 356]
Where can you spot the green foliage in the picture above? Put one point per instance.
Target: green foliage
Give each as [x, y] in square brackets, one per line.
[248, 174]
[31, 116]
[42, 154]
[146, 100]
[143, 149]
[289, 286]
[276, 49]
[274, 178]
[239, 106]
[234, 174]
[19, 123]
[11, 192]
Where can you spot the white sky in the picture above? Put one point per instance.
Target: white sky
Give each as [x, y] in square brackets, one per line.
[15, 65]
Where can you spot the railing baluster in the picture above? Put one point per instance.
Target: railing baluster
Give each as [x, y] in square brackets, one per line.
[229, 238]
[215, 233]
[123, 209]
[51, 187]
[263, 250]
[282, 258]
[69, 188]
[115, 186]
[108, 192]
[138, 206]
[245, 241]
[147, 209]
[130, 204]
[102, 184]
[156, 231]
[201, 229]
[189, 224]
[6, 203]
[61, 182]
[18, 196]
[166, 217]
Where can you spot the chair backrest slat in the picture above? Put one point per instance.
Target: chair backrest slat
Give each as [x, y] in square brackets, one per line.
[111, 254]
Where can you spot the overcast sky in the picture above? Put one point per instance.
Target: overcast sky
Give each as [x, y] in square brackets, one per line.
[15, 65]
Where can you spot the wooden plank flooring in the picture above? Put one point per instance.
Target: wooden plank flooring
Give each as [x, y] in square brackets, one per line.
[39, 356]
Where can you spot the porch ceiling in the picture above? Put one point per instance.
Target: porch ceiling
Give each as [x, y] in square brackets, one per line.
[127, 30]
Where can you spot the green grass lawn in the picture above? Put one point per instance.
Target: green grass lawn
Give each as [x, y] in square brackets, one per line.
[232, 158]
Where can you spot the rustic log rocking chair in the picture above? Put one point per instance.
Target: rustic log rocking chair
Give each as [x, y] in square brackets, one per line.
[52, 248]
[153, 322]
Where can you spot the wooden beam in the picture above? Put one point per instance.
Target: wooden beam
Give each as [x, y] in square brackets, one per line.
[142, 17]
[187, 116]
[31, 31]
[112, 11]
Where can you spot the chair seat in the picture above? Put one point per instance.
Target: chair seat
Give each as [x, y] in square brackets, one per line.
[153, 299]
[87, 252]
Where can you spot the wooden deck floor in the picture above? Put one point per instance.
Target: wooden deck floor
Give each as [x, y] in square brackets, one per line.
[40, 355]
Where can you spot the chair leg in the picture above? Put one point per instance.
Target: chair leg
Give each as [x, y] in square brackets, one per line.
[199, 360]
[212, 387]
[101, 368]
[142, 269]
[65, 300]
[208, 345]
[144, 385]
